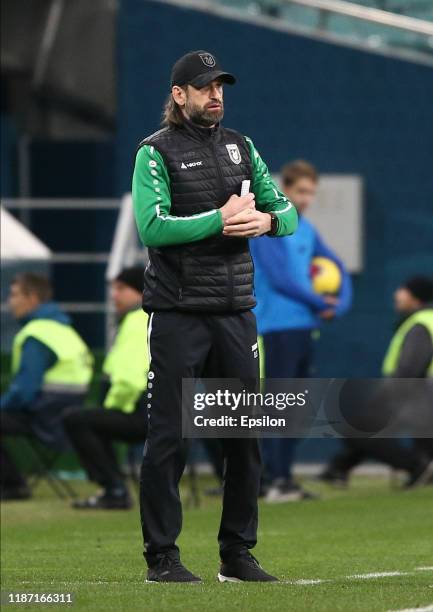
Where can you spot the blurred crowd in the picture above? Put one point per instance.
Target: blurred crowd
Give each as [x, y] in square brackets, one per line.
[52, 368]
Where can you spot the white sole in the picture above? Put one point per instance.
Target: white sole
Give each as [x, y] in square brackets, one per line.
[281, 499]
[222, 578]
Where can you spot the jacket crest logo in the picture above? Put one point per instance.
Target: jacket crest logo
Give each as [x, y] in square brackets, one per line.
[207, 59]
[235, 154]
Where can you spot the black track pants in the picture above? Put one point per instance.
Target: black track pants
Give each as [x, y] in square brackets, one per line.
[186, 346]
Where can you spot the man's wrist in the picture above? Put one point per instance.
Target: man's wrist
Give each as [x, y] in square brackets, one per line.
[273, 229]
[224, 214]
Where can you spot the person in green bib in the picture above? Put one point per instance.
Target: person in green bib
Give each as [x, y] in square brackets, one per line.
[410, 352]
[123, 415]
[51, 371]
[409, 356]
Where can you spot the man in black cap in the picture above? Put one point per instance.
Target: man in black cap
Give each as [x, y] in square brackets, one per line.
[191, 213]
[123, 415]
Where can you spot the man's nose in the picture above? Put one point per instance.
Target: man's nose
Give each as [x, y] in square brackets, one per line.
[215, 94]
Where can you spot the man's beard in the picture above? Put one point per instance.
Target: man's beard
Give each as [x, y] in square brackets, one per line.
[202, 116]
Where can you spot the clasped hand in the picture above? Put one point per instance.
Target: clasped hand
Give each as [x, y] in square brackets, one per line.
[241, 219]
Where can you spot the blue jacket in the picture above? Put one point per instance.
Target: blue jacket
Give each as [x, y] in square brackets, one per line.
[36, 358]
[285, 298]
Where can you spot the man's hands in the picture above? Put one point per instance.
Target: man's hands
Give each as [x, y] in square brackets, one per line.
[241, 219]
[248, 224]
[329, 313]
[236, 204]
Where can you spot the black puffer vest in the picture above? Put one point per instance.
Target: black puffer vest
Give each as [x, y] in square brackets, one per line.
[215, 274]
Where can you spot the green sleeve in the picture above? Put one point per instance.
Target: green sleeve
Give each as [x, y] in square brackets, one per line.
[152, 201]
[268, 197]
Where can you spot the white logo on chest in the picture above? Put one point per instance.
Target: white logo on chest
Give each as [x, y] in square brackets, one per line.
[191, 164]
[235, 154]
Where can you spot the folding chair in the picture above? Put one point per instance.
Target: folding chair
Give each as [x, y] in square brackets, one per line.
[193, 499]
[45, 460]
[134, 455]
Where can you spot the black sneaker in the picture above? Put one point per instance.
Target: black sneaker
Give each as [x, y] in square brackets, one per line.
[104, 501]
[170, 569]
[244, 568]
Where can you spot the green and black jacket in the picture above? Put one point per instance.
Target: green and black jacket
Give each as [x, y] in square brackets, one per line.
[182, 176]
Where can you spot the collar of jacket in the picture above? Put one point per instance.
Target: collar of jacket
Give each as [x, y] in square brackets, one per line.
[121, 317]
[46, 310]
[406, 315]
[199, 133]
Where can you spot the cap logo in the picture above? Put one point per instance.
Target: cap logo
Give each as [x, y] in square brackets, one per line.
[207, 59]
[235, 154]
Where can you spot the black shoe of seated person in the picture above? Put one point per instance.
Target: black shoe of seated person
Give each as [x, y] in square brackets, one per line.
[116, 499]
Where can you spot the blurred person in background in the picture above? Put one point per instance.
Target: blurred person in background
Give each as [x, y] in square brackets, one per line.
[409, 355]
[289, 311]
[51, 369]
[123, 416]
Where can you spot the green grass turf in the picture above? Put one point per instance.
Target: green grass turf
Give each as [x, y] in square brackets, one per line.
[48, 547]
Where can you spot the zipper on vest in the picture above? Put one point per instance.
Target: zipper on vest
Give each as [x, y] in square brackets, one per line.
[180, 294]
[224, 198]
[220, 174]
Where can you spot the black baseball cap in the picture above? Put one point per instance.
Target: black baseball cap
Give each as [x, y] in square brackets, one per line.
[133, 277]
[421, 287]
[198, 68]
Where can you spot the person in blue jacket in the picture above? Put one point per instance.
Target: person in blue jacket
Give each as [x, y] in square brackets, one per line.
[51, 371]
[288, 311]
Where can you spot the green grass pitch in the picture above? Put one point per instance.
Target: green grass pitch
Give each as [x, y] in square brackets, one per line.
[369, 529]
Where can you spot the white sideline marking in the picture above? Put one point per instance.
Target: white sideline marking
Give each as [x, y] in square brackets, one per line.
[427, 609]
[375, 575]
[78, 582]
[313, 581]
[369, 576]
[299, 582]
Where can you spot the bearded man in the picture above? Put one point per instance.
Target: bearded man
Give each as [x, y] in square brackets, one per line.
[198, 292]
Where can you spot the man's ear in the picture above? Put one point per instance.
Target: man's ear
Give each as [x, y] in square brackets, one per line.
[179, 95]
